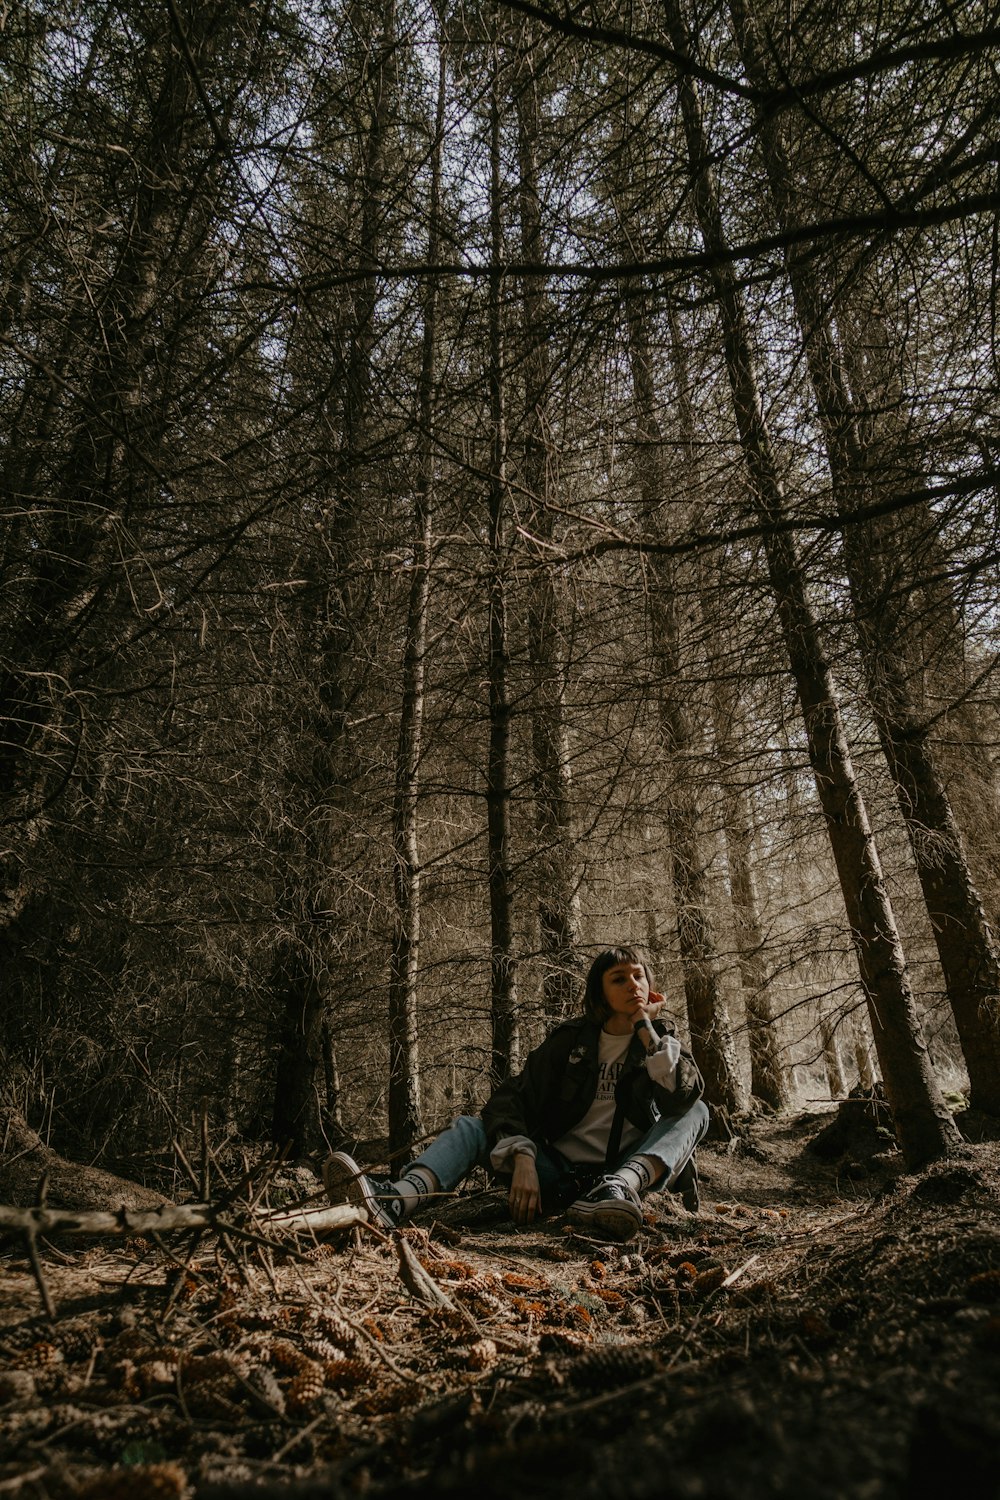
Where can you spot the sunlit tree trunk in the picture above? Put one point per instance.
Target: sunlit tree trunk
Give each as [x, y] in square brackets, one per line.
[768, 1080]
[878, 572]
[861, 1045]
[831, 1055]
[767, 1077]
[334, 1093]
[503, 970]
[689, 846]
[405, 1114]
[923, 1122]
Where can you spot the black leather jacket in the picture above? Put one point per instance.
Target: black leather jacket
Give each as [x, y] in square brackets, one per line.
[557, 1084]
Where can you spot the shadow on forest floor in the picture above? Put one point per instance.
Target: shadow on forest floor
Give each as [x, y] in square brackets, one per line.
[817, 1329]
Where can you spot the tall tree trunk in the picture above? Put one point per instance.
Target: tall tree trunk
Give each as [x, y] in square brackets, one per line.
[503, 970]
[942, 679]
[767, 1077]
[554, 864]
[831, 1055]
[861, 1044]
[405, 1115]
[302, 965]
[334, 1095]
[877, 568]
[923, 1122]
[690, 855]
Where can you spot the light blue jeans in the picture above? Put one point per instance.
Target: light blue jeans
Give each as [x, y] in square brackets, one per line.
[671, 1140]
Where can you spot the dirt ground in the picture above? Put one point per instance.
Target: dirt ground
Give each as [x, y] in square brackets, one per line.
[822, 1327]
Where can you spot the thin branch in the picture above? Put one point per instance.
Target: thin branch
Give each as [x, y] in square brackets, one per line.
[617, 541]
[850, 226]
[772, 101]
[221, 139]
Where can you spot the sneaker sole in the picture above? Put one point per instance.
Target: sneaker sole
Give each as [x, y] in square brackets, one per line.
[346, 1183]
[617, 1221]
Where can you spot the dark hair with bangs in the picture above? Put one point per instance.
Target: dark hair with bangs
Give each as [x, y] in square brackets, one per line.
[595, 1006]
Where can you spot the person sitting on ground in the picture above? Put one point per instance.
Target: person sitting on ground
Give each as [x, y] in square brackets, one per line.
[606, 1108]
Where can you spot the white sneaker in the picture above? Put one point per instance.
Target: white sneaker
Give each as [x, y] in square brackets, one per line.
[345, 1182]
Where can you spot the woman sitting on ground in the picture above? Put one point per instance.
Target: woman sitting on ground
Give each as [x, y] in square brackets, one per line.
[606, 1108]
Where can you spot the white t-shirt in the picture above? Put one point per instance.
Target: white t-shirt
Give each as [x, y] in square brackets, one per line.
[587, 1142]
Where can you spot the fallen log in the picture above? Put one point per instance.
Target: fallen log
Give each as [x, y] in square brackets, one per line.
[72, 1200]
[173, 1216]
[25, 1160]
[169, 1218]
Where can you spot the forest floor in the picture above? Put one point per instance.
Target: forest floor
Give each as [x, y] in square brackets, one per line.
[817, 1329]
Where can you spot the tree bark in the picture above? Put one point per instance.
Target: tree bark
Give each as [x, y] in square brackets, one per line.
[877, 571]
[690, 854]
[831, 1056]
[503, 968]
[554, 864]
[768, 1080]
[303, 961]
[923, 1122]
[405, 1113]
[334, 1094]
[767, 1076]
[862, 1053]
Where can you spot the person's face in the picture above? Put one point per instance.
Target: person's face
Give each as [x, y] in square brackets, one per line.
[626, 988]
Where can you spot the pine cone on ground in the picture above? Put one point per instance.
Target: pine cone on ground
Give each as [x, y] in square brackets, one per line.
[560, 1341]
[209, 1384]
[129, 1344]
[164, 1354]
[212, 1397]
[285, 1356]
[333, 1327]
[318, 1254]
[305, 1389]
[709, 1280]
[612, 1365]
[156, 1375]
[385, 1402]
[482, 1355]
[40, 1356]
[515, 1282]
[125, 1376]
[347, 1374]
[77, 1340]
[197, 1369]
[269, 1317]
[164, 1481]
[17, 1385]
